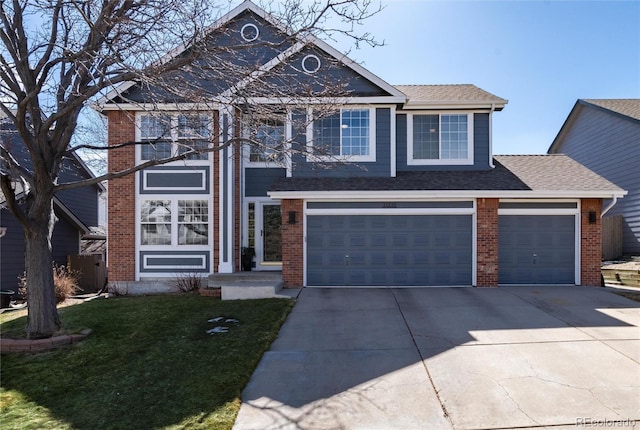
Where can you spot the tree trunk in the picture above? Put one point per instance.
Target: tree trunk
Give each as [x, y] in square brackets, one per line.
[43, 320]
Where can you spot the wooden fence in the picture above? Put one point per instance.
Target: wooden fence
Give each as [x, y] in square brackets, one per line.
[612, 237]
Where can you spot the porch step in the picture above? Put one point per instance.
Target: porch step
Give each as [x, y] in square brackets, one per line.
[248, 285]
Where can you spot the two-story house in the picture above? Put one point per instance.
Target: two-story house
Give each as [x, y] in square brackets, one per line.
[388, 186]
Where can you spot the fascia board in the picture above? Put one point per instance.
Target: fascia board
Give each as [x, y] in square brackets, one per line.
[118, 90]
[481, 104]
[74, 219]
[219, 102]
[358, 68]
[564, 129]
[441, 194]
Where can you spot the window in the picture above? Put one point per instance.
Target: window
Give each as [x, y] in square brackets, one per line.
[158, 222]
[439, 139]
[157, 131]
[193, 133]
[168, 135]
[193, 222]
[270, 136]
[348, 133]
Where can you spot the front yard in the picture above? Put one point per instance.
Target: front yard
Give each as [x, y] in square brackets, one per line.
[149, 363]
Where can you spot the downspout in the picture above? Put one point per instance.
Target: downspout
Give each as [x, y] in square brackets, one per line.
[610, 205]
[493, 108]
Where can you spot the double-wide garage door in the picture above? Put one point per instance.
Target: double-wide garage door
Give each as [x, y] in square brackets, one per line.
[389, 250]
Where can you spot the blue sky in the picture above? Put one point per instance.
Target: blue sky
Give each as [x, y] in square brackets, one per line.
[540, 55]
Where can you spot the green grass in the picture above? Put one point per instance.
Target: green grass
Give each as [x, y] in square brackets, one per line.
[149, 364]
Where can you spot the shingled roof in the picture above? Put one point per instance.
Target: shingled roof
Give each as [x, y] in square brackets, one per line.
[556, 172]
[456, 94]
[626, 107]
[513, 175]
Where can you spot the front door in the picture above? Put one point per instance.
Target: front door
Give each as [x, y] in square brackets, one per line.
[265, 231]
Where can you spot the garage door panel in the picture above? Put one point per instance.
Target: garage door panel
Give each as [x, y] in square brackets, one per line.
[536, 249]
[390, 250]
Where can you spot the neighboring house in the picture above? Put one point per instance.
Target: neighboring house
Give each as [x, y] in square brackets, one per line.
[418, 199]
[76, 210]
[604, 135]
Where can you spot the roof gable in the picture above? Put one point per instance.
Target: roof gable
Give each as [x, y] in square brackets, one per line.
[627, 109]
[258, 49]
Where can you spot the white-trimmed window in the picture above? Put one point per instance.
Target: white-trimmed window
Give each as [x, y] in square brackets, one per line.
[269, 136]
[440, 138]
[166, 135]
[174, 222]
[348, 134]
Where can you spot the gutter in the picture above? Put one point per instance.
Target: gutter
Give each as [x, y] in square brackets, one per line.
[493, 108]
[610, 205]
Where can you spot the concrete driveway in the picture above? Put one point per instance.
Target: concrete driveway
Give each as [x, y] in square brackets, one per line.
[450, 358]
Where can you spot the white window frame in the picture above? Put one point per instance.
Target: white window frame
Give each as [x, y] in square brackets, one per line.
[371, 157]
[440, 162]
[285, 161]
[173, 137]
[173, 204]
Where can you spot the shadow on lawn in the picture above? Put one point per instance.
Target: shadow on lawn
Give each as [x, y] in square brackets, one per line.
[149, 363]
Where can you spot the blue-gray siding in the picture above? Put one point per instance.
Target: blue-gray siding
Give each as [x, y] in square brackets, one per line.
[82, 202]
[257, 181]
[64, 242]
[379, 168]
[609, 145]
[172, 261]
[480, 146]
[384, 250]
[175, 180]
[245, 57]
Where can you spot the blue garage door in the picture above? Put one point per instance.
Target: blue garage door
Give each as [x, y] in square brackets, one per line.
[385, 250]
[536, 249]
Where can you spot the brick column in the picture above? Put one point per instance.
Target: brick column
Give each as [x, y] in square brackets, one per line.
[590, 243]
[121, 199]
[292, 244]
[487, 245]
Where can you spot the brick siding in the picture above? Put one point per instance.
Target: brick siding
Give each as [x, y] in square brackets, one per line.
[590, 243]
[292, 244]
[121, 199]
[487, 245]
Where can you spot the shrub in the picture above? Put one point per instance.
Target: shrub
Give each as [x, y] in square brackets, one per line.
[189, 281]
[65, 282]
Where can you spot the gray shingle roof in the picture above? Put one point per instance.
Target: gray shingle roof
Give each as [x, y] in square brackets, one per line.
[556, 172]
[519, 173]
[480, 180]
[457, 93]
[626, 107]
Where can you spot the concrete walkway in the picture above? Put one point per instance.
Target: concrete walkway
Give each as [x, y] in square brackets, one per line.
[450, 358]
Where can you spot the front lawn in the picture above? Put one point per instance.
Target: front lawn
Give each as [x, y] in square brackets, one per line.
[149, 364]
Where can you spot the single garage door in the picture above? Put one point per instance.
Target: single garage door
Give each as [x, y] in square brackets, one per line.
[389, 250]
[536, 249]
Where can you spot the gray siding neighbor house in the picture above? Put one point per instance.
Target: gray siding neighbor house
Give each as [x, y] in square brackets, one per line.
[389, 185]
[604, 135]
[76, 210]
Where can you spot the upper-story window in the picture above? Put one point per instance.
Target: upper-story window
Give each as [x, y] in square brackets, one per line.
[347, 135]
[440, 138]
[172, 134]
[269, 141]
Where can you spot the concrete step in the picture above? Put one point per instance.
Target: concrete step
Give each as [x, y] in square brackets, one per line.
[247, 285]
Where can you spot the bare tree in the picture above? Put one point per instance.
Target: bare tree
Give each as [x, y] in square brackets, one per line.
[59, 56]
